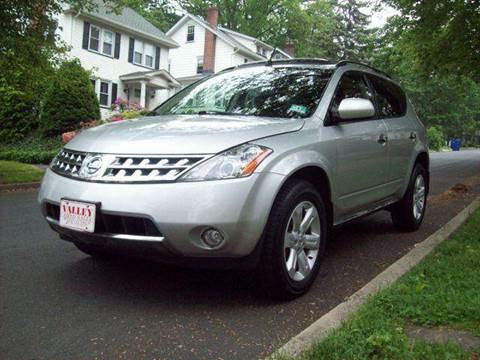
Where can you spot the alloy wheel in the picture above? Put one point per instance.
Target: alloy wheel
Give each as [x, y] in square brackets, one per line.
[302, 240]
[419, 197]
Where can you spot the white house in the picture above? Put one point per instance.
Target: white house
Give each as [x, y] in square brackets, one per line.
[128, 56]
[205, 48]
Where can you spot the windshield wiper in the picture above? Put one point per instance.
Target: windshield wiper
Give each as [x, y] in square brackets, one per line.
[213, 112]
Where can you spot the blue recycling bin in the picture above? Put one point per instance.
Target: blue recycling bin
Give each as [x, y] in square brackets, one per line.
[456, 144]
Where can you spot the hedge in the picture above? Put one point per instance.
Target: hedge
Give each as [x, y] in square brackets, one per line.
[28, 156]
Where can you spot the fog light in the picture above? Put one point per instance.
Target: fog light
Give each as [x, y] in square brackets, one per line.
[212, 238]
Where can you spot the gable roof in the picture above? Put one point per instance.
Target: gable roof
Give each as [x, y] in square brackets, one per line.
[226, 35]
[131, 21]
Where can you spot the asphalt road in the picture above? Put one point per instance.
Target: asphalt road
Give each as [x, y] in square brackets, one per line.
[56, 303]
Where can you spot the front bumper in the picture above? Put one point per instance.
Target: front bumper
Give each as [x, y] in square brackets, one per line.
[239, 208]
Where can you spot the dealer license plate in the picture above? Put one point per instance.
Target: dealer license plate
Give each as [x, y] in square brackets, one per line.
[77, 215]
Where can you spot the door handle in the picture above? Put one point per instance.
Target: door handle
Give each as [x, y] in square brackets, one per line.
[382, 139]
[413, 135]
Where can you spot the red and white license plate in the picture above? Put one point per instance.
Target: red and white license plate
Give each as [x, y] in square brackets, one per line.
[77, 215]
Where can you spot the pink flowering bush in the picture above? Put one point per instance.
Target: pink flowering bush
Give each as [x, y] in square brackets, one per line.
[122, 105]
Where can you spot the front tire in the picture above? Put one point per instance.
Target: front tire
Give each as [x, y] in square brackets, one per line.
[408, 213]
[294, 241]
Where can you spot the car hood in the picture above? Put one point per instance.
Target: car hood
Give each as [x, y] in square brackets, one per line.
[180, 134]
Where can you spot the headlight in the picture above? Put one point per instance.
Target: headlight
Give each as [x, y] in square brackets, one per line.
[238, 162]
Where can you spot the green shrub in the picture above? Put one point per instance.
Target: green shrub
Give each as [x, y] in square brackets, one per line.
[28, 156]
[69, 100]
[18, 115]
[436, 139]
[33, 149]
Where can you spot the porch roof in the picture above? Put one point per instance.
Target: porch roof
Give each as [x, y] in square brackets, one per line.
[158, 78]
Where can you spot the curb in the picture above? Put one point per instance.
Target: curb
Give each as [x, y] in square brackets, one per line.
[334, 318]
[20, 186]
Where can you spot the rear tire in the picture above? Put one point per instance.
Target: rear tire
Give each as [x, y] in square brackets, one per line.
[408, 213]
[293, 241]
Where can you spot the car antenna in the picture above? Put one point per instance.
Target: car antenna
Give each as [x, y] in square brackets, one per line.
[270, 61]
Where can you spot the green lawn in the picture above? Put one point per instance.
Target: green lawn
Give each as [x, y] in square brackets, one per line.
[443, 290]
[13, 172]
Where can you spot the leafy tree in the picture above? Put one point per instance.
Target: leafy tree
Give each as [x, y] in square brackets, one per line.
[29, 54]
[69, 100]
[436, 139]
[160, 13]
[444, 35]
[352, 35]
[315, 29]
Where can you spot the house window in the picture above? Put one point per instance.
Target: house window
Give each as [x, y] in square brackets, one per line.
[149, 55]
[94, 41]
[138, 53]
[190, 33]
[199, 64]
[137, 92]
[107, 43]
[100, 40]
[104, 93]
[144, 54]
[103, 89]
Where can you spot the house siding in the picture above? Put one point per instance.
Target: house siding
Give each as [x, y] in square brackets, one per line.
[107, 68]
[183, 60]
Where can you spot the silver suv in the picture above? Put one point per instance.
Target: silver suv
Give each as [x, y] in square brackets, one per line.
[250, 167]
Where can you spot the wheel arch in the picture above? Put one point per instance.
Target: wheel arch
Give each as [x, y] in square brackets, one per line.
[424, 160]
[319, 178]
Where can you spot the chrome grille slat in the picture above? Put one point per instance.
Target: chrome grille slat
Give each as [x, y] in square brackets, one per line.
[125, 168]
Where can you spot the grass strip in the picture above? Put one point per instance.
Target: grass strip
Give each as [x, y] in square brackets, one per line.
[442, 291]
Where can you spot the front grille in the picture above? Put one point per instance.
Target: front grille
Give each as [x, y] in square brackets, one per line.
[68, 162]
[123, 168]
[113, 224]
[130, 168]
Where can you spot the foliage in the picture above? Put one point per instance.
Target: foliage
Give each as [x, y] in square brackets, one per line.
[33, 149]
[14, 173]
[442, 35]
[69, 100]
[352, 36]
[28, 156]
[17, 114]
[436, 139]
[160, 13]
[440, 291]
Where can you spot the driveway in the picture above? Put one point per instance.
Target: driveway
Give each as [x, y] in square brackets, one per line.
[57, 303]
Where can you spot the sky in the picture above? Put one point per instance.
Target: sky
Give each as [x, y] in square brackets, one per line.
[379, 18]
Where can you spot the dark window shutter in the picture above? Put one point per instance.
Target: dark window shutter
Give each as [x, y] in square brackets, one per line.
[86, 34]
[116, 55]
[131, 46]
[114, 92]
[157, 58]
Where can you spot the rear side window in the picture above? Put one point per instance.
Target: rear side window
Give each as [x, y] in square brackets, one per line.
[391, 100]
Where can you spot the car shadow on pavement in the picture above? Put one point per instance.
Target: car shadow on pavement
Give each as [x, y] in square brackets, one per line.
[150, 282]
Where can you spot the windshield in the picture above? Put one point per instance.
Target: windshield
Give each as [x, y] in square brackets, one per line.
[259, 91]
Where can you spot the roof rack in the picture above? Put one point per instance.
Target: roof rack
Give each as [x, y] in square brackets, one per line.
[346, 62]
[317, 61]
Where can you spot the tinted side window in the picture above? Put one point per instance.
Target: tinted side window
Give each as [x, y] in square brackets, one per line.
[352, 85]
[391, 100]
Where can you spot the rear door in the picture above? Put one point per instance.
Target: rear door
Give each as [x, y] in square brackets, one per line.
[361, 149]
[392, 107]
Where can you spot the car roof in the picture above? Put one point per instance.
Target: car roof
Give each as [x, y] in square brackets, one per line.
[310, 62]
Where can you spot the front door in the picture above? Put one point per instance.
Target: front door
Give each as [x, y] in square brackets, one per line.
[361, 144]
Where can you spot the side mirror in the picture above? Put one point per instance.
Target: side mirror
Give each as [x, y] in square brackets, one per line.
[355, 108]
